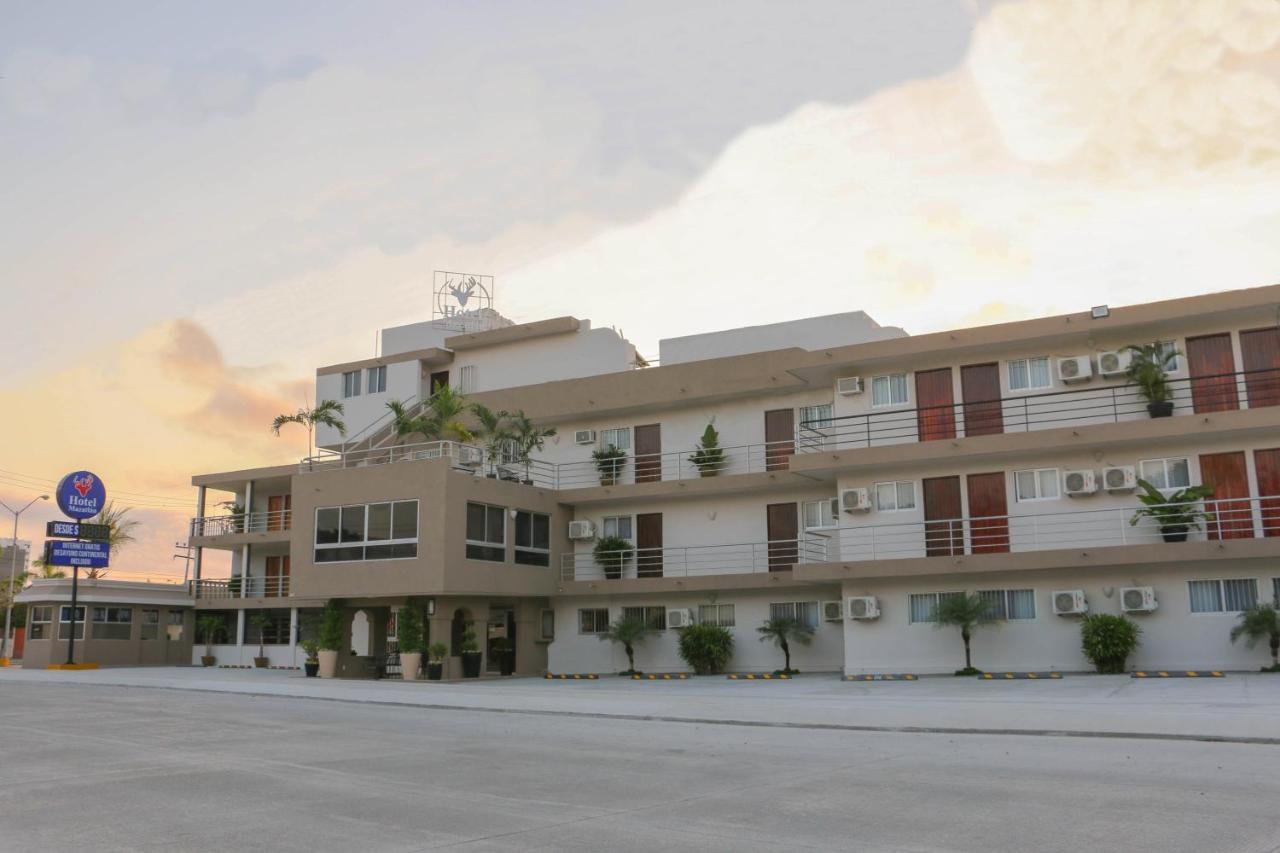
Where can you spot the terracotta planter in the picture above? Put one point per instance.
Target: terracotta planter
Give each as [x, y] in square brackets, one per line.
[208, 660]
[328, 663]
[262, 663]
[410, 664]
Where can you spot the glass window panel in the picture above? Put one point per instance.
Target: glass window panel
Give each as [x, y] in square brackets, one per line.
[541, 530]
[617, 525]
[906, 495]
[496, 528]
[1240, 594]
[1178, 473]
[995, 601]
[886, 496]
[404, 520]
[353, 524]
[619, 438]
[1039, 372]
[475, 522]
[524, 529]
[1022, 604]
[379, 522]
[1048, 482]
[1152, 470]
[1026, 481]
[1206, 596]
[327, 525]
[1018, 379]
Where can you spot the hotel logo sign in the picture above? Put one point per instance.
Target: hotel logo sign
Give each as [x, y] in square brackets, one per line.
[81, 495]
[460, 294]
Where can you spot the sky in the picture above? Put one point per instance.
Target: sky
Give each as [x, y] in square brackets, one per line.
[202, 203]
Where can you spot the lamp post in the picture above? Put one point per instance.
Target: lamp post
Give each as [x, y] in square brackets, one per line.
[13, 575]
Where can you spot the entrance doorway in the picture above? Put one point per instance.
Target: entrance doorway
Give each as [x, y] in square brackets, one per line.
[500, 640]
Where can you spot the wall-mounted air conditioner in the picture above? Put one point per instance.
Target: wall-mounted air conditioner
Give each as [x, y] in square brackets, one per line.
[855, 500]
[584, 436]
[1079, 482]
[1076, 368]
[679, 618]
[1119, 478]
[1069, 602]
[468, 455]
[1113, 363]
[847, 386]
[833, 611]
[1138, 599]
[581, 530]
[863, 607]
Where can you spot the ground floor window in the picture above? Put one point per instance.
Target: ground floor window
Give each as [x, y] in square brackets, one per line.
[38, 622]
[150, 624]
[176, 626]
[804, 612]
[1223, 596]
[112, 623]
[1009, 603]
[920, 605]
[718, 615]
[64, 622]
[274, 630]
[593, 620]
[221, 632]
[654, 618]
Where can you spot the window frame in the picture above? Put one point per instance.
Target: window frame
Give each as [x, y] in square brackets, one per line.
[1164, 460]
[807, 420]
[653, 615]
[889, 377]
[795, 606]
[33, 614]
[1057, 484]
[466, 379]
[1221, 584]
[1177, 360]
[378, 373]
[1026, 361]
[617, 431]
[718, 621]
[631, 523]
[834, 515]
[1007, 594]
[897, 486]
[365, 543]
[144, 623]
[937, 599]
[351, 384]
[475, 548]
[596, 611]
[531, 549]
[108, 611]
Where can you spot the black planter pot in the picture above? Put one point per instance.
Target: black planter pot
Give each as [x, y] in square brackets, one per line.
[507, 663]
[312, 669]
[612, 572]
[1174, 532]
[435, 671]
[1163, 409]
[471, 664]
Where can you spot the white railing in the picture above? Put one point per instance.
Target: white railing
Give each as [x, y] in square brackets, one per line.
[467, 457]
[244, 522]
[673, 465]
[741, 558]
[237, 587]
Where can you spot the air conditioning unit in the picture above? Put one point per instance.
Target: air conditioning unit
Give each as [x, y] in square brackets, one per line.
[1079, 482]
[833, 611]
[679, 618]
[1069, 602]
[1119, 478]
[468, 455]
[1076, 368]
[1137, 599]
[584, 436]
[847, 386]
[1113, 363]
[863, 607]
[581, 530]
[855, 500]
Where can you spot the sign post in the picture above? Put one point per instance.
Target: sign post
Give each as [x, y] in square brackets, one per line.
[81, 495]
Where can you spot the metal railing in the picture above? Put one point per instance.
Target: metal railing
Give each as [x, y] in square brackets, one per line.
[276, 586]
[244, 522]
[1027, 412]
[674, 465]
[466, 457]
[694, 560]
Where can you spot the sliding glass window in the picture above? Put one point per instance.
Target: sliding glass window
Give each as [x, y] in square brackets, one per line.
[378, 531]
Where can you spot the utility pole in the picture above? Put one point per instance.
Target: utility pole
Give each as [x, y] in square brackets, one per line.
[186, 556]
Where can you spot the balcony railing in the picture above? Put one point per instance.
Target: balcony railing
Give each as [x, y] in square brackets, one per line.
[244, 522]
[1229, 518]
[675, 465]
[465, 457]
[276, 586]
[1093, 404]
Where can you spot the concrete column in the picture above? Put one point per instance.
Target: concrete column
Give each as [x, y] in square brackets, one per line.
[201, 493]
[245, 554]
[293, 636]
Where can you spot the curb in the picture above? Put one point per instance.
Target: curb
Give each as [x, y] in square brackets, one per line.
[577, 676]
[757, 676]
[1177, 673]
[72, 667]
[884, 676]
[666, 676]
[1020, 676]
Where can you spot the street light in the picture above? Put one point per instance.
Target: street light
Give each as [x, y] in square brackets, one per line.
[13, 575]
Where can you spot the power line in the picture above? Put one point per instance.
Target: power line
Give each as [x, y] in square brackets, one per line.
[129, 497]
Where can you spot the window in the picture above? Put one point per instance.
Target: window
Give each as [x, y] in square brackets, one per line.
[224, 632]
[654, 618]
[617, 525]
[1009, 603]
[509, 451]
[719, 615]
[1030, 374]
[1223, 596]
[816, 417]
[896, 496]
[593, 620]
[819, 515]
[533, 538]
[151, 624]
[38, 621]
[486, 532]
[1165, 346]
[351, 384]
[274, 633]
[376, 379]
[64, 622]
[889, 390]
[619, 438]
[176, 622]
[381, 531]
[920, 605]
[112, 623]
[467, 379]
[1172, 473]
[804, 612]
[1036, 484]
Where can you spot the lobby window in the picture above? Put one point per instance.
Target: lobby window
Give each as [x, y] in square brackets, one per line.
[274, 633]
[39, 620]
[717, 615]
[1010, 604]
[889, 390]
[1171, 473]
[593, 620]
[223, 632]
[533, 538]
[351, 383]
[486, 532]
[920, 605]
[177, 623]
[1030, 374]
[64, 622]
[376, 379]
[387, 530]
[1036, 484]
[897, 496]
[1223, 596]
[112, 623]
[150, 625]
[654, 618]
[804, 612]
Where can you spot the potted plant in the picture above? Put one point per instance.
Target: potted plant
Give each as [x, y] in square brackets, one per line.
[436, 653]
[1260, 623]
[260, 621]
[409, 636]
[628, 632]
[609, 463]
[493, 434]
[1176, 514]
[469, 651]
[236, 511]
[784, 631]
[209, 627]
[611, 553]
[529, 437]
[233, 586]
[1107, 641]
[330, 638]
[502, 649]
[312, 664]
[965, 612]
[1149, 369]
[708, 456]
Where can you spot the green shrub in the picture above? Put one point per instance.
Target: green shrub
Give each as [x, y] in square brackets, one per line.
[706, 648]
[409, 630]
[437, 652]
[611, 553]
[330, 634]
[1107, 641]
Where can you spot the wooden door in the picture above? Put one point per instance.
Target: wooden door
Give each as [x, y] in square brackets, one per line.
[779, 438]
[1260, 354]
[277, 577]
[279, 512]
[648, 453]
[784, 532]
[943, 526]
[935, 404]
[649, 545]
[1226, 474]
[1267, 465]
[988, 513]
[1212, 366]
[983, 412]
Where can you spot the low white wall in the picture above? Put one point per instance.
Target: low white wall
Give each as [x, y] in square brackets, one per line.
[243, 655]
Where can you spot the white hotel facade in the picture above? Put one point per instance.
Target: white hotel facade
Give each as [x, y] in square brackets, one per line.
[866, 472]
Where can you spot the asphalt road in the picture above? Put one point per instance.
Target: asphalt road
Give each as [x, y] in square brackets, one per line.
[117, 768]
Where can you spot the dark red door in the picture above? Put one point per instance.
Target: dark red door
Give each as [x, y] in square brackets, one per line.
[935, 404]
[648, 450]
[784, 531]
[1225, 473]
[1212, 366]
[649, 545]
[980, 385]
[988, 513]
[1267, 463]
[1260, 354]
[943, 526]
[779, 438]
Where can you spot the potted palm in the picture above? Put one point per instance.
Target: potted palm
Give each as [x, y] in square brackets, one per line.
[209, 626]
[611, 553]
[529, 438]
[609, 463]
[1260, 623]
[708, 456]
[260, 621]
[493, 433]
[409, 637]
[469, 651]
[784, 631]
[1148, 368]
[330, 637]
[312, 664]
[965, 612]
[628, 632]
[502, 649]
[1176, 514]
[435, 661]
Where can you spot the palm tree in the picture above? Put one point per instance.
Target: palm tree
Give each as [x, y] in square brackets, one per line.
[1260, 623]
[326, 412]
[120, 531]
[444, 414]
[260, 621]
[965, 612]
[529, 437]
[784, 631]
[493, 431]
[46, 570]
[629, 632]
[403, 424]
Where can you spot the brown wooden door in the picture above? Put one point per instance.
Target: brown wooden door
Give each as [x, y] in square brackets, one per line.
[779, 438]
[648, 450]
[935, 404]
[980, 385]
[279, 511]
[1260, 354]
[943, 526]
[784, 531]
[1225, 473]
[1212, 366]
[277, 577]
[988, 513]
[649, 545]
[1267, 464]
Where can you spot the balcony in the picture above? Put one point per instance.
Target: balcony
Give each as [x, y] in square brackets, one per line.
[695, 561]
[244, 522]
[268, 587]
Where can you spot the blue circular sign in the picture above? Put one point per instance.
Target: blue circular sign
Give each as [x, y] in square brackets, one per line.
[81, 495]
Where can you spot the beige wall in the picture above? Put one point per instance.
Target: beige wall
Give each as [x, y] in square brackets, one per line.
[131, 652]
